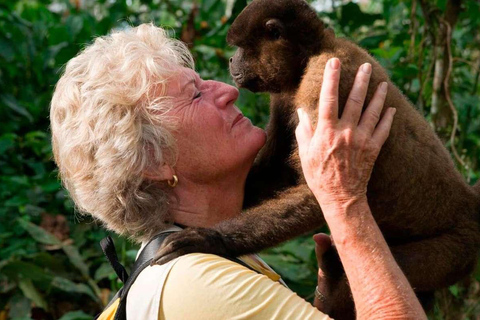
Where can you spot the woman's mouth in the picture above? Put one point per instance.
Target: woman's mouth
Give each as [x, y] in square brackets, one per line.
[237, 119]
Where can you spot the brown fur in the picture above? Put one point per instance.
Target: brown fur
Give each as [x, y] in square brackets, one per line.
[427, 213]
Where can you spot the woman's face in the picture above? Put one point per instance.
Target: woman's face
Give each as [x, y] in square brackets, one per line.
[213, 136]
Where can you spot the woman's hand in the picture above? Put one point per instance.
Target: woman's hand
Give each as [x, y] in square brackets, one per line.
[338, 156]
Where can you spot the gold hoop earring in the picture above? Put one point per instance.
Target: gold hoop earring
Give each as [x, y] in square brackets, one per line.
[173, 183]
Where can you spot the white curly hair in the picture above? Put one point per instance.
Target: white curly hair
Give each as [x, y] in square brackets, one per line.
[109, 126]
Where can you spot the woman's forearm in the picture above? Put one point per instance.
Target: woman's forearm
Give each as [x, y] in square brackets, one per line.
[380, 289]
[337, 159]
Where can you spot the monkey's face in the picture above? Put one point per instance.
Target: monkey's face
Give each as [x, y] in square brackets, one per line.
[269, 63]
[275, 39]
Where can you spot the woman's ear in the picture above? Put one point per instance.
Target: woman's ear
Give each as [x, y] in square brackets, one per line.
[162, 173]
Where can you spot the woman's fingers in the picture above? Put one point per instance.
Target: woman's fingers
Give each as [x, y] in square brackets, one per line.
[328, 103]
[382, 131]
[356, 98]
[371, 116]
[304, 131]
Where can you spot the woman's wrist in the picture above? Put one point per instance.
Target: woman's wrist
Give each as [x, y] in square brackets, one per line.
[340, 205]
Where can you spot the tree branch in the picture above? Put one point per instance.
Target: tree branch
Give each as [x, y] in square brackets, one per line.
[448, 97]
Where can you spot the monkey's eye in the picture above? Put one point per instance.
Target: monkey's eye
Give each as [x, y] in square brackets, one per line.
[275, 34]
[198, 95]
[274, 28]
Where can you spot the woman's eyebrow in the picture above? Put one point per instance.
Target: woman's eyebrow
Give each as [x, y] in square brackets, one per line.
[187, 84]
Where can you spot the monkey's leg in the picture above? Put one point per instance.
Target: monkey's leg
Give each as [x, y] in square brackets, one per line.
[428, 264]
[338, 297]
[291, 213]
[440, 261]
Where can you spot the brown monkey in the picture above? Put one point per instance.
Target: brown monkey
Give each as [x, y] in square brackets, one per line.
[427, 213]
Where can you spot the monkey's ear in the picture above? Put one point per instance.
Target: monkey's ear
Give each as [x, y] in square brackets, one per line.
[275, 28]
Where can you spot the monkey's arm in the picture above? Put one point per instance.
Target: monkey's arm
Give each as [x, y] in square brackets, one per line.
[293, 212]
[272, 170]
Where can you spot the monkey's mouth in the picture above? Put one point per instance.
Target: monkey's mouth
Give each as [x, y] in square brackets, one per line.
[238, 78]
[253, 84]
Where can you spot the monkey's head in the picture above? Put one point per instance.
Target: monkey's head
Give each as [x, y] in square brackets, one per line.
[275, 38]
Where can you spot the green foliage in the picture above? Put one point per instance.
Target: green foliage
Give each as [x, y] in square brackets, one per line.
[51, 266]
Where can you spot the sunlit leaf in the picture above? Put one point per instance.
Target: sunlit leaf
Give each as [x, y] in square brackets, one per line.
[29, 290]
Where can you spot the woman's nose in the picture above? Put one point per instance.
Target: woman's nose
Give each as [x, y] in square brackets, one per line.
[226, 95]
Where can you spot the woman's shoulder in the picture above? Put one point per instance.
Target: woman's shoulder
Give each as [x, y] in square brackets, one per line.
[203, 263]
[206, 286]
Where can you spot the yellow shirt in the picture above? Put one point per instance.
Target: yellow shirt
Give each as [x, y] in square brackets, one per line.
[205, 286]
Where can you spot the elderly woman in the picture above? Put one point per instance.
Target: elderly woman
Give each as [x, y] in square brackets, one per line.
[142, 142]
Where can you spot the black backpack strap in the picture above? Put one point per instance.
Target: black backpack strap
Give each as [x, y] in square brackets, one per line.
[108, 248]
[143, 261]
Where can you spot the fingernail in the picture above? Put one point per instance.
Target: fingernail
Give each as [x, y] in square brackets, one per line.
[384, 86]
[334, 63]
[367, 68]
[394, 110]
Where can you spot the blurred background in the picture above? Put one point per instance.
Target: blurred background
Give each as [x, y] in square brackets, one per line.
[51, 266]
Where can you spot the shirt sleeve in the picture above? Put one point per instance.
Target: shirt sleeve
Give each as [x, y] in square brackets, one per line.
[204, 286]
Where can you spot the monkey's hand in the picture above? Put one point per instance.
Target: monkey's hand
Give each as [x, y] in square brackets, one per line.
[191, 240]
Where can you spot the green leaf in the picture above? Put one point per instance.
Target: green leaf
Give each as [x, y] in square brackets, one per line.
[287, 267]
[6, 50]
[353, 17]
[7, 141]
[50, 262]
[23, 270]
[29, 290]
[39, 234]
[10, 101]
[76, 259]
[74, 25]
[76, 315]
[207, 51]
[453, 290]
[103, 272]
[54, 50]
[20, 308]
[72, 287]
[51, 186]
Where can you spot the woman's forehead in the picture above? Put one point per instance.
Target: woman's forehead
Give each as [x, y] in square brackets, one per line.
[182, 80]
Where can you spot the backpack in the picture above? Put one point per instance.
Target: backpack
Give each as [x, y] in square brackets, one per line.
[117, 307]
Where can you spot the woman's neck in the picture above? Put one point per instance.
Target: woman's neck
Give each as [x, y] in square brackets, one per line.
[205, 205]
